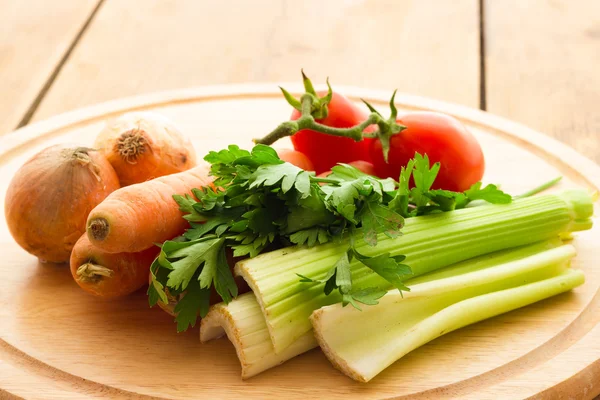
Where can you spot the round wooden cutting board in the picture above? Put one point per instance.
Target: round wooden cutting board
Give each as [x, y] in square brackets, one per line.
[58, 342]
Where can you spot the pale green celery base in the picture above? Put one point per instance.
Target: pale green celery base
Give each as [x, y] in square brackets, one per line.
[244, 324]
[362, 344]
[429, 243]
[487, 260]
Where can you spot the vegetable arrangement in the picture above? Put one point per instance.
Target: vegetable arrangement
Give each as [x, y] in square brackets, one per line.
[265, 202]
[393, 229]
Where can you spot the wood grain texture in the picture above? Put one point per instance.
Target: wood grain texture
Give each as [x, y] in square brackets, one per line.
[424, 47]
[542, 60]
[34, 35]
[58, 342]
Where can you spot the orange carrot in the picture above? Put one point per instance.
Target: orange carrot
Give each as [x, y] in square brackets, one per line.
[136, 217]
[110, 275]
[144, 145]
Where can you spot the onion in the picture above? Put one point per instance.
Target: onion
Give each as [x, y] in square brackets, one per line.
[143, 145]
[50, 197]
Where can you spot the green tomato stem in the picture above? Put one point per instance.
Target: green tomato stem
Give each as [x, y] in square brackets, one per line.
[313, 108]
[289, 128]
[307, 100]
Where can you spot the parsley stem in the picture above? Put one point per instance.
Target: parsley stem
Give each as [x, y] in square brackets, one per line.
[540, 188]
[324, 180]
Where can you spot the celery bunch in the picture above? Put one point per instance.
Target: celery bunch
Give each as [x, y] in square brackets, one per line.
[245, 326]
[429, 243]
[496, 258]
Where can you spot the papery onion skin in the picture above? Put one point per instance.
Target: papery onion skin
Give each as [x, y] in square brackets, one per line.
[51, 195]
[145, 145]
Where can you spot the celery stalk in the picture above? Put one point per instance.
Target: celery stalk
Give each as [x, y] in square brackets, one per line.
[362, 344]
[243, 322]
[429, 243]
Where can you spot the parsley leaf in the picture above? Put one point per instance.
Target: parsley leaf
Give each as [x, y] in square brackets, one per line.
[310, 236]
[289, 175]
[376, 218]
[341, 199]
[338, 277]
[400, 201]
[189, 257]
[368, 296]
[194, 301]
[156, 290]
[490, 193]
[226, 156]
[388, 267]
[424, 176]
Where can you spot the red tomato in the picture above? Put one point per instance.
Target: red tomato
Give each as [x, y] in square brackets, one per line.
[297, 158]
[325, 150]
[444, 139]
[364, 166]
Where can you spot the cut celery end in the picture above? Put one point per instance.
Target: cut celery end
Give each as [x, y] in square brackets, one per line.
[427, 312]
[244, 324]
[429, 243]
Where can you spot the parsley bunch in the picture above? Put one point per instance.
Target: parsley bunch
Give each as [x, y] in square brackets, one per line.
[262, 203]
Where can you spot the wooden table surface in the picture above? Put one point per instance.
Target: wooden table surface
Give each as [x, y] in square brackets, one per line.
[535, 61]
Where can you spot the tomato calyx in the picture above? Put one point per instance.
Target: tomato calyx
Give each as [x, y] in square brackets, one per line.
[387, 128]
[313, 108]
[318, 106]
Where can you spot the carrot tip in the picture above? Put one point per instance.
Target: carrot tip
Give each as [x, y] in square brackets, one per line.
[89, 272]
[98, 228]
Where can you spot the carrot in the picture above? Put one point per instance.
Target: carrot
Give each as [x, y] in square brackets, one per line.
[144, 145]
[110, 275]
[135, 217]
